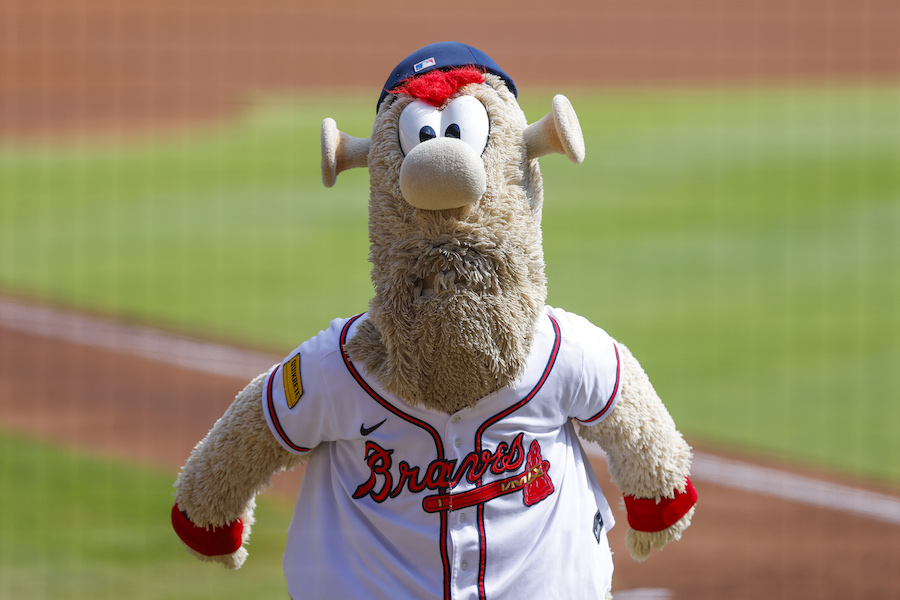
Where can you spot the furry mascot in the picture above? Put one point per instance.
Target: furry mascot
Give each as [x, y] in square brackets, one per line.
[440, 426]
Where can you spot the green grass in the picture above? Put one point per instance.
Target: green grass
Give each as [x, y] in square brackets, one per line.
[227, 232]
[743, 243]
[79, 527]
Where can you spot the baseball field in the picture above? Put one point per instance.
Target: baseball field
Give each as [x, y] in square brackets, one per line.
[164, 235]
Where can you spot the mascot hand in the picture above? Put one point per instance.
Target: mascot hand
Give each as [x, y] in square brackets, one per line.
[655, 522]
[213, 544]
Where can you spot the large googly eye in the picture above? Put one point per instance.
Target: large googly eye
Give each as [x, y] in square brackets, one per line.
[465, 119]
[419, 122]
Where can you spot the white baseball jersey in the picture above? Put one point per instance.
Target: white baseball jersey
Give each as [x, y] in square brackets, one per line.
[493, 502]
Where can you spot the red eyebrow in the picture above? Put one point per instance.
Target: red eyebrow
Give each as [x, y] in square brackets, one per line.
[436, 86]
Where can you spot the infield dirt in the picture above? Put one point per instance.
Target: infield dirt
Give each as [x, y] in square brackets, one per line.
[89, 65]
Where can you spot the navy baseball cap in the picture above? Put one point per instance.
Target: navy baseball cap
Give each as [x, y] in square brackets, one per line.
[443, 55]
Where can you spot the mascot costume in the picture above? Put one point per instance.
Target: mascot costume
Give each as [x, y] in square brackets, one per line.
[441, 426]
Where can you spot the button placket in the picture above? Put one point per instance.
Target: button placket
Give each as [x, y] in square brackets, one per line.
[463, 534]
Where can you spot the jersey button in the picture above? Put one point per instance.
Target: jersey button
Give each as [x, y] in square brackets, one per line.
[455, 418]
[464, 565]
[462, 517]
[457, 442]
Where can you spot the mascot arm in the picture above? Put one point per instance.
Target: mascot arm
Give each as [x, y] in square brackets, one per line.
[216, 489]
[648, 460]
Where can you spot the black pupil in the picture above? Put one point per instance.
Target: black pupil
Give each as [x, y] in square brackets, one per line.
[452, 131]
[426, 133]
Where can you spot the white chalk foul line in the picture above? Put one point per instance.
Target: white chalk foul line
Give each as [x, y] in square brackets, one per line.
[787, 486]
[798, 488]
[219, 359]
[644, 594]
[145, 342]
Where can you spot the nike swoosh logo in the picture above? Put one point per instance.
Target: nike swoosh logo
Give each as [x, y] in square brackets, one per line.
[364, 431]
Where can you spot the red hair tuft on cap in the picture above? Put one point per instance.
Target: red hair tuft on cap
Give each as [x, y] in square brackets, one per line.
[436, 86]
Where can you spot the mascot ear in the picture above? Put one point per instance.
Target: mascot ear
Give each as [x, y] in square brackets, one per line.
[558, 132]
[341, 152]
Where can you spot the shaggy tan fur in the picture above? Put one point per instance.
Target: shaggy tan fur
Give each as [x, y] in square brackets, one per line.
[457, 292]
[457, 296]
[647, 456]
[230, 466]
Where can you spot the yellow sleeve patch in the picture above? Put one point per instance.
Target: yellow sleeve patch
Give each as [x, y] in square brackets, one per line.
[293, 385]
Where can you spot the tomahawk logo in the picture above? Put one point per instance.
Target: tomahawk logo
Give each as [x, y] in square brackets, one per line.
[442, 475]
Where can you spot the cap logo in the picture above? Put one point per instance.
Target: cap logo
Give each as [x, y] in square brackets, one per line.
[428, 62]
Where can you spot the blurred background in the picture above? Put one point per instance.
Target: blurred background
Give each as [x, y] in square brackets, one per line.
[164, 235]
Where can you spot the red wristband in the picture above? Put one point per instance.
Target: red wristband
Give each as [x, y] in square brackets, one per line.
[215, 541]
[648, 515]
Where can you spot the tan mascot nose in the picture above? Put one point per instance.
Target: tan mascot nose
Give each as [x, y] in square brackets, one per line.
[442, 173]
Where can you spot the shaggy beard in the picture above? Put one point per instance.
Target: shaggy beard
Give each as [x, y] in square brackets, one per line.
[443, 345]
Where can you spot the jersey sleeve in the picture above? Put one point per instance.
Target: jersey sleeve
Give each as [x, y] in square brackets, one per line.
[296, 398]
[601, 369]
